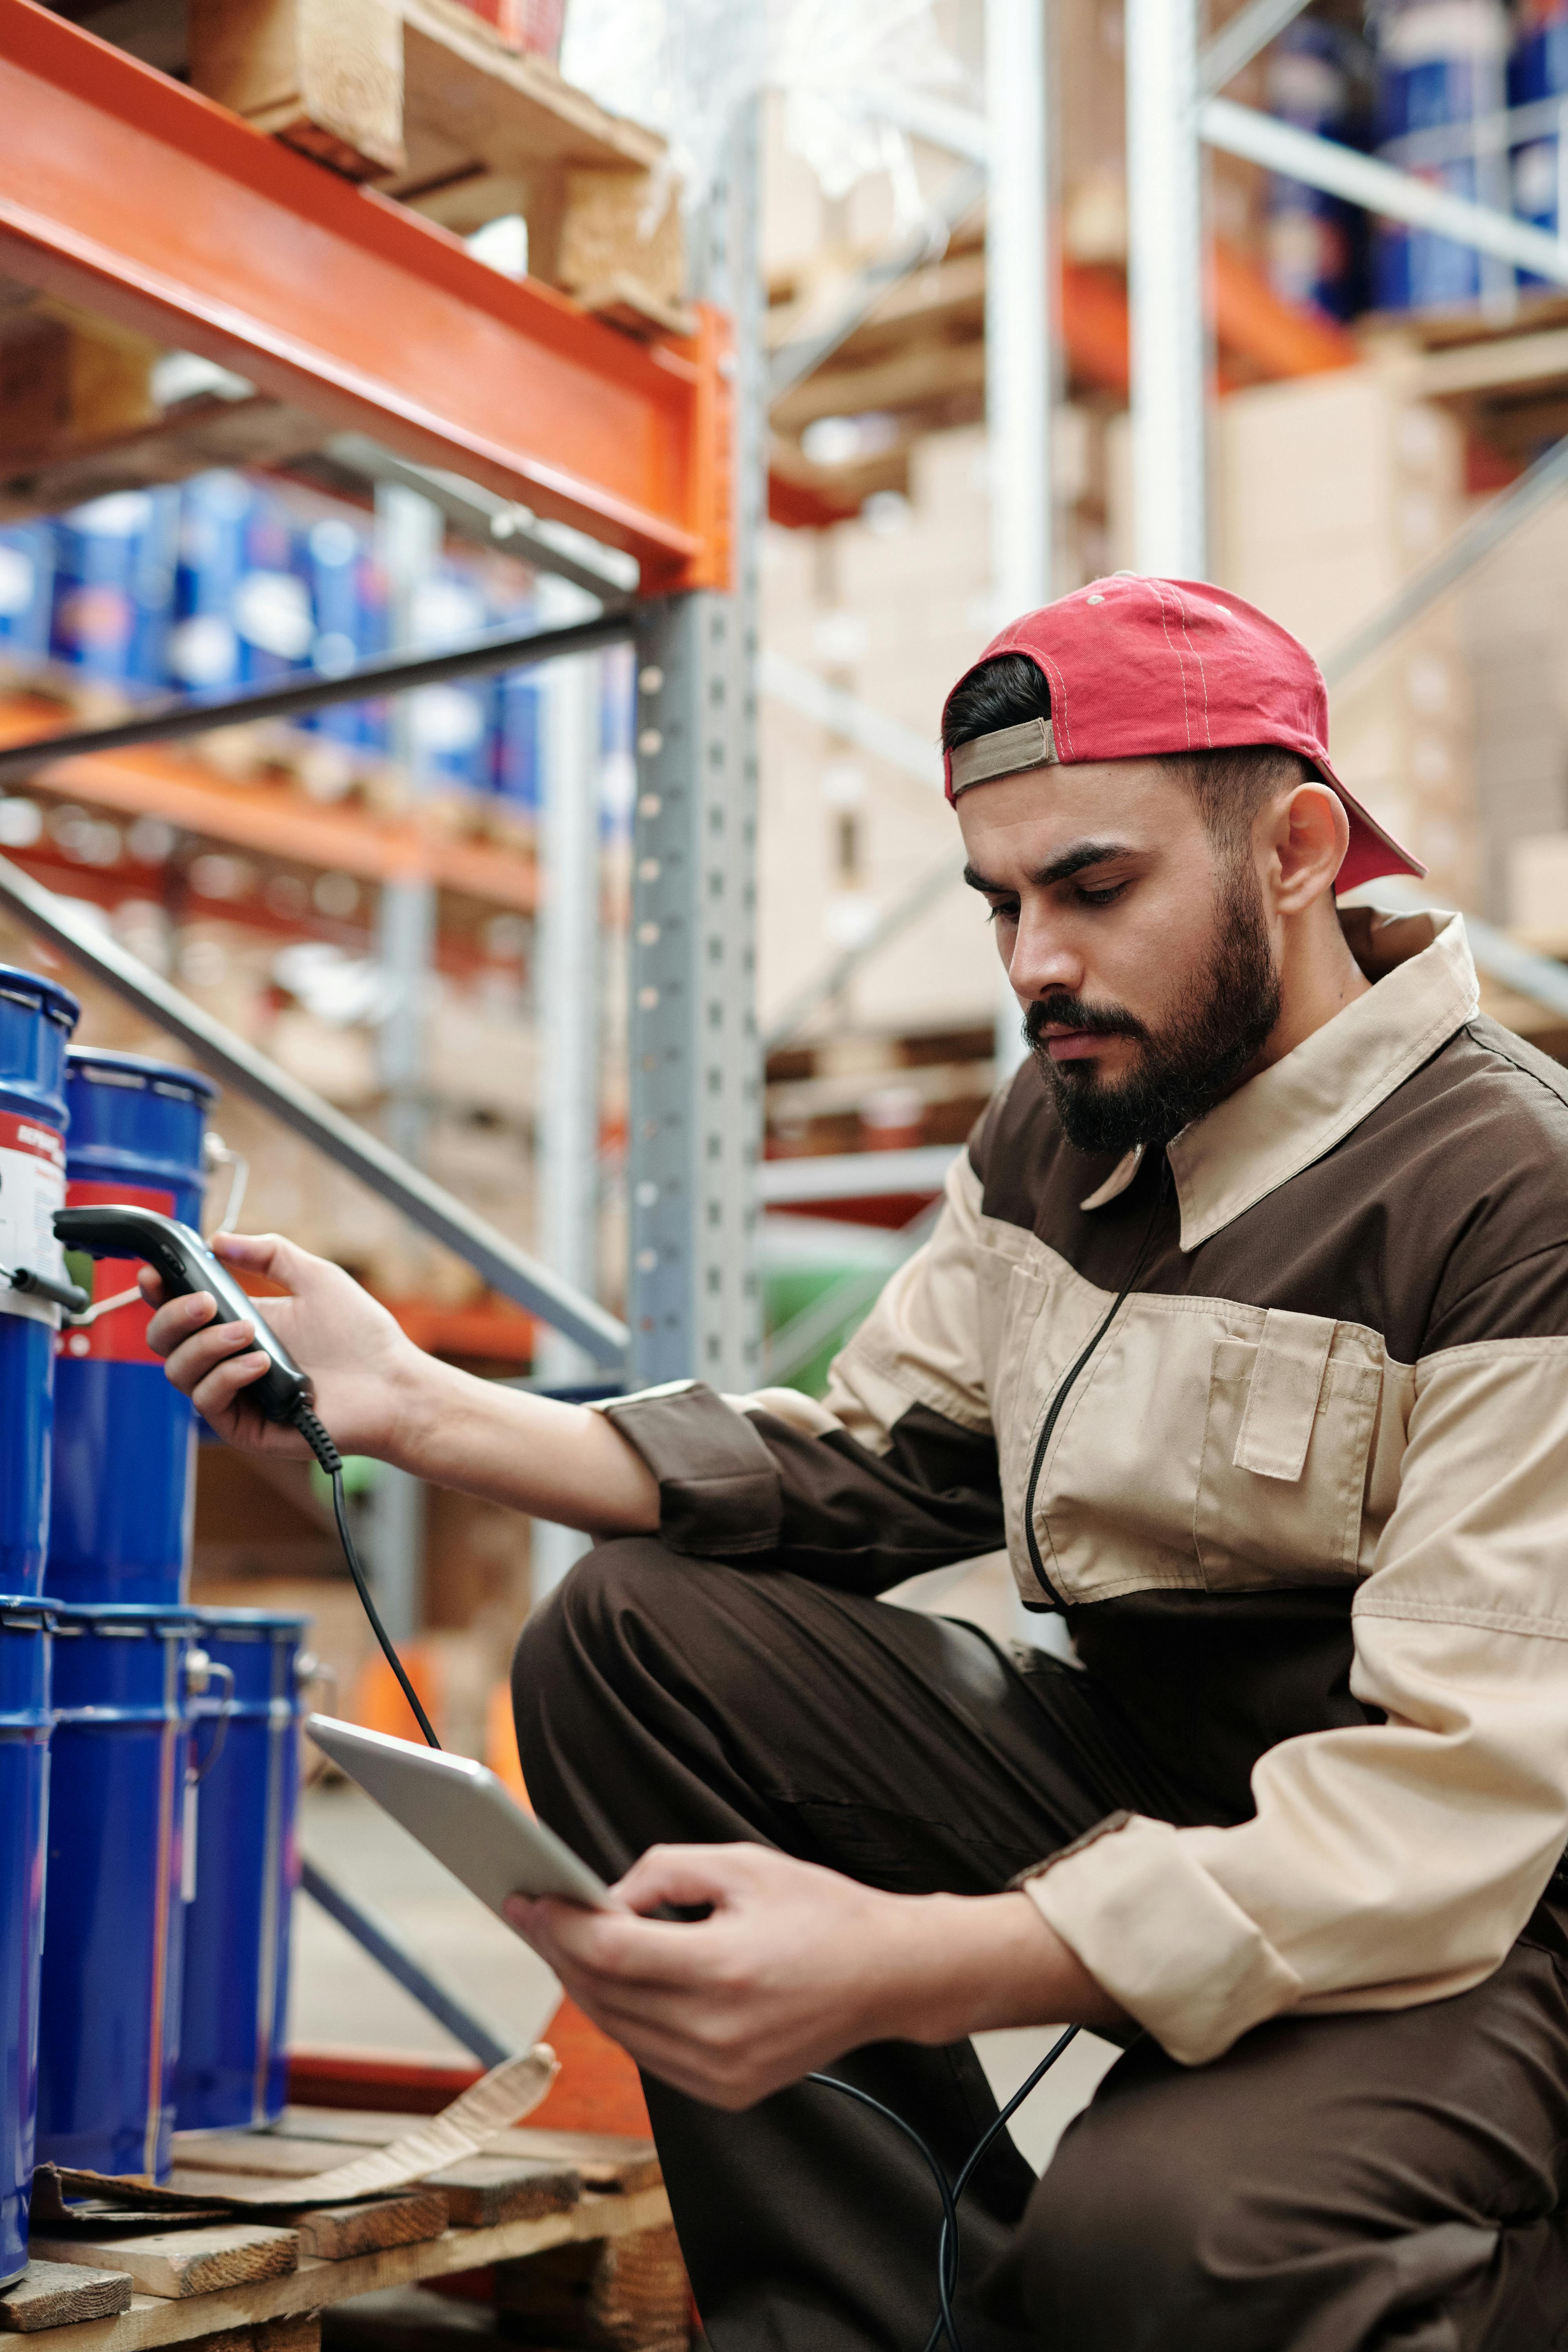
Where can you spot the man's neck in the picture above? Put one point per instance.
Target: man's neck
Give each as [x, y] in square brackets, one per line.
[1318, 977]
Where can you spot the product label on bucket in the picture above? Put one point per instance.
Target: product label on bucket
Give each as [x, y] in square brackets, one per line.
[119, 1333]
[32, 1187]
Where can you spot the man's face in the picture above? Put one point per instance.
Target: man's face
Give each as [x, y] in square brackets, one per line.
[1137, 948]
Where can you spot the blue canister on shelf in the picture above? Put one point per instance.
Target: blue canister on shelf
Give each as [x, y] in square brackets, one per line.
[27, 590]
[514, 772]
[1316, 243]
[36, 1021]
[1441, 82]
[1538, 89]
[23, 1805]
[114, 586]
[204, 650]
[245, 1743]
[349, 601]
[109, 2017]
[124, 1439]
[449, 727]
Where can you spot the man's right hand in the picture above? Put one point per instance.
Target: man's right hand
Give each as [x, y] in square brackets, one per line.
[363, 1370]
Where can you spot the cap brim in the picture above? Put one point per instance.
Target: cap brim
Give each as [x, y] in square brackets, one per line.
[1372, 851]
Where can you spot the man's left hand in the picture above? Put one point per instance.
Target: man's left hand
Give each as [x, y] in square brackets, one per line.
[794, 1965]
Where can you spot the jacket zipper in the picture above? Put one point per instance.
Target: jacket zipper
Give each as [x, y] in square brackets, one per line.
[1064, 1390]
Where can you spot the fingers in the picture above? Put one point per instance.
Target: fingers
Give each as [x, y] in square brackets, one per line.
[195, 1357]
[215, 1397]
[684, 1875]
[177, 1319]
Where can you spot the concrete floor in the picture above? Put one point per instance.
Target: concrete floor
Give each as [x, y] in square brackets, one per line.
[339, 1996]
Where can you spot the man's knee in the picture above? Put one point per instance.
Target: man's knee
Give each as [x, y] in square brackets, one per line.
[1119, 2228]
[587, 1613]
[574, 1640]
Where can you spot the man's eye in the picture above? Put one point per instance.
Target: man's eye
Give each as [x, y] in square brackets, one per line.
[1106, 897]
[1003, 910]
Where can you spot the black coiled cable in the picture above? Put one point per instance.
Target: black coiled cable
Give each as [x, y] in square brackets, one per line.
[331, 1461]
[947, 2244]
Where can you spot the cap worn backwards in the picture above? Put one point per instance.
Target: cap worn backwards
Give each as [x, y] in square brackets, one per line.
[1137, 666]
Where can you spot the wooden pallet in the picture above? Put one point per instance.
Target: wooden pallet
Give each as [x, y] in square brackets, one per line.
[571, 2229]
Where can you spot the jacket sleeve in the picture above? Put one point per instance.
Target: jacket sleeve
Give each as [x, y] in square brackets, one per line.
[1391, 1863]
[894, 1472]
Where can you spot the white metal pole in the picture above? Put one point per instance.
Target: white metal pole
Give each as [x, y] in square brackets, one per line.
[567, 1012]
[1018, 371]
[408, 533]
[1165, 290]
[1019, 367]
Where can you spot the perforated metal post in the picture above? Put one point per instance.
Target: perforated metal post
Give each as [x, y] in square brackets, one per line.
[693, 1293]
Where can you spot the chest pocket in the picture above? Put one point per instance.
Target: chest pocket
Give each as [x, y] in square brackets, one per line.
[1283, 1471]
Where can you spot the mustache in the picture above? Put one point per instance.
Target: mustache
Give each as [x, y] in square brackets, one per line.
[1061, 1011]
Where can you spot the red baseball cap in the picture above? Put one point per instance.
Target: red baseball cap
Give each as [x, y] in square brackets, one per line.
[1138, 665]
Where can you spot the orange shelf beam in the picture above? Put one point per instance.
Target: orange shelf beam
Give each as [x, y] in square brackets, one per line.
[131, 196]
[276, 820]
[489, 1330]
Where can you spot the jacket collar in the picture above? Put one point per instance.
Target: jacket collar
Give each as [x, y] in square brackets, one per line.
[1300, 1107]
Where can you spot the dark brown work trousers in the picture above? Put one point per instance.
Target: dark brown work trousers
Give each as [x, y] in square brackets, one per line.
[1380, 2179]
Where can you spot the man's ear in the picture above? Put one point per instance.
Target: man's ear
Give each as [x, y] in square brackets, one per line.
[1308, 835]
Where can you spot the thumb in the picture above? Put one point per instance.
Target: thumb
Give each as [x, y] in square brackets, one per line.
[266, 1254]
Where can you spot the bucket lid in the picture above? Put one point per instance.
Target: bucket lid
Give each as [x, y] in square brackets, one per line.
[103, 1068]
[122, 1616]
[55, 1003]
[25, 1612]
[283, 1624]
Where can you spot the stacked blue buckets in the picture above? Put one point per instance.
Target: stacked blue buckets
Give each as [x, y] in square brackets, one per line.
[148, 1749]
[35, 1022]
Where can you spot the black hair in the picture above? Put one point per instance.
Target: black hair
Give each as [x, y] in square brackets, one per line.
[1230, 785]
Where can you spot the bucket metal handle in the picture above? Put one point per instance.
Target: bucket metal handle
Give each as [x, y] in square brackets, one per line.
[216, 1153]
[199, 1670]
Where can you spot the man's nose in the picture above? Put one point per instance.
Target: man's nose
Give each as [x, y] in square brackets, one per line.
[1042, 959]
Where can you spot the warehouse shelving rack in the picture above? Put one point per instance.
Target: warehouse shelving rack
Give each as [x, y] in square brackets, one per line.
[141, 202]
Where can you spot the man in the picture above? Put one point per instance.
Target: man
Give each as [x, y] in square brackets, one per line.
[1246, 1330]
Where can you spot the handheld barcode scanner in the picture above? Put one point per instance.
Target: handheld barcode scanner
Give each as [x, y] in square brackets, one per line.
[283, 1393]
[184, 1264]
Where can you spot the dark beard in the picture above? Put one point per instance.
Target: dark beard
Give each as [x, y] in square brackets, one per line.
[1193, 1060]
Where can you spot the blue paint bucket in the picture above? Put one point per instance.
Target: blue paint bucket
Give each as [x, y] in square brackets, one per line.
[35, 1022]
[1316, 243]
[124, 1443]
[1538, 80]
[236, 2001]
[109, 2018]
[24, 1801]
[1441, 76]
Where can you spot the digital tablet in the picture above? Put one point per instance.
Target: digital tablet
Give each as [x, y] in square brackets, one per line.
[462, 1814]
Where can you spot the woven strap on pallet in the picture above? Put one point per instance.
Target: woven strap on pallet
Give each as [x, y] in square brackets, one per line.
[500, 2098]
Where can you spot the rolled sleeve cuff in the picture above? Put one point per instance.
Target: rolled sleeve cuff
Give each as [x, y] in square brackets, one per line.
[1155, 1931]
[719, 1491]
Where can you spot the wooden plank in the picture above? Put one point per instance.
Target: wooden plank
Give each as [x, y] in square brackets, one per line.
[324, 75]
[299, 2331]
[337, 2232]
[152, 2320]
[603, 2159]
[484, 2190]
[179, 2262]
[55, 2294]
[630, 2293]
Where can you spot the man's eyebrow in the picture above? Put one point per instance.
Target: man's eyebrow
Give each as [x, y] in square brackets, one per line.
[1061, 869]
